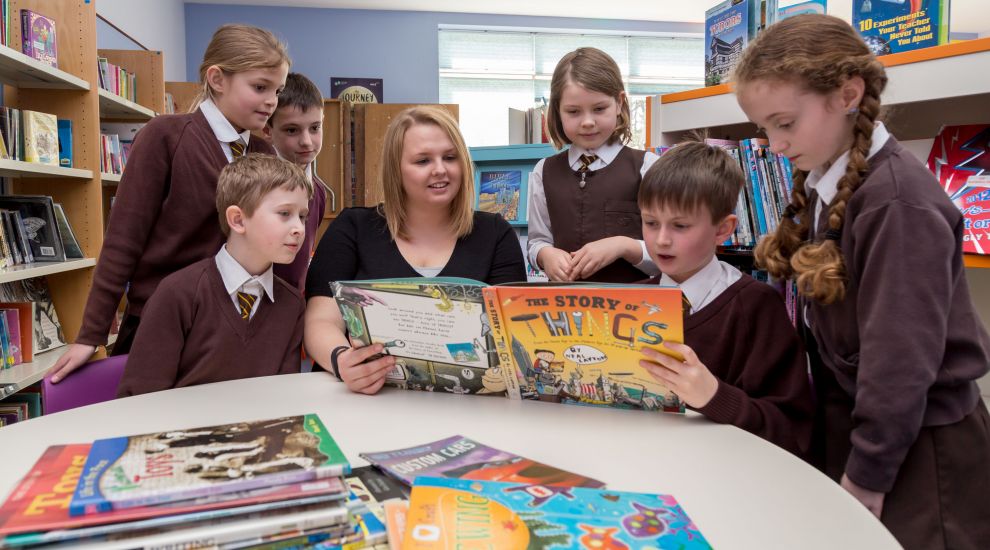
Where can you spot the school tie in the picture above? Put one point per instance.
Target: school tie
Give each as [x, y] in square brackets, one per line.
[237, 149]
[245, 301]
[586, 161]
[685, 304]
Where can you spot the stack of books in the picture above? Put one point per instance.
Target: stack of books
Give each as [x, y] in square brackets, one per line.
[117, 80]
[276, 482]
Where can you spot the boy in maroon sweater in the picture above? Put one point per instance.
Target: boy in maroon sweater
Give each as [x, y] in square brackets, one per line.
[229, 316]
[744, 363]
[296, 131]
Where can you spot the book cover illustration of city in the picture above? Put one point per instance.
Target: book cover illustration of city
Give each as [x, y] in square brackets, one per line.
[124, 472]
[460, 513]
[581, 345]
[960, 159]
[499, 192]
[436, 328]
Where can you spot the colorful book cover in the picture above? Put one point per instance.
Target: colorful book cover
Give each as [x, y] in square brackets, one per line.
[65, 143]
[5, 351]
[357, 90]
[787, 9]
[726, 36]
[461, 458]
[40, 138]
[436, 329]
[892, 26]
[499, 193]
[960, 160]
[581, 345]
[25, 332]
[38, 37]
[39, 231]
[456, 513]
[140, 470]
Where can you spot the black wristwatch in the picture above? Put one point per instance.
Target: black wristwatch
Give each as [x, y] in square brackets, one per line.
[333, 360]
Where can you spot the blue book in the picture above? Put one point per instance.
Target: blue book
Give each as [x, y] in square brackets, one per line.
[65, 143]
[892, 26]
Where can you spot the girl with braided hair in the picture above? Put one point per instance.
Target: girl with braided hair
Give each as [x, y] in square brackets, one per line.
[874, 246]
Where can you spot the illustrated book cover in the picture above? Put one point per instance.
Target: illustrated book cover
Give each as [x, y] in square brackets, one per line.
[357, 90]
[154, 468]
[461, 458]
[40, 138]
[726, 36]
[892, 26]
[454, 513]
[46, 330]
[499, 192]
[960, 160]
[38, 37]
[40, 228]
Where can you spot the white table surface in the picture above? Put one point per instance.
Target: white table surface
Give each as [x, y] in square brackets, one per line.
[741, 491]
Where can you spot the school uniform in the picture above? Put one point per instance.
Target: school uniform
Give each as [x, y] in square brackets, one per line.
[193, 329]
[295, 272]
[739, 329]
[164, 216]
[902, 352]
[570, 207]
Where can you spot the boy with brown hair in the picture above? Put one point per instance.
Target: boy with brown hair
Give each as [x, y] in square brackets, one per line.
[229, 316]
[743, 362]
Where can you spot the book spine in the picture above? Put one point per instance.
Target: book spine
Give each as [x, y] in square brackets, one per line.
[502, 343]
[26, 34]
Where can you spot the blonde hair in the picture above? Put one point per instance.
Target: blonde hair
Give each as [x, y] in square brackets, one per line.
[596, 71]
[820, 53]
[691, 175]
[246, 181]
[393, 206]
[238, 48]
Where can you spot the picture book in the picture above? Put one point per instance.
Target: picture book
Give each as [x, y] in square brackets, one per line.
[68, 237]
[5, 350]
[46, 330]
[787, 9]
[25, 333]
[357, 90]
[12, 327]
[581, 345]
[37, 511]
[499, 193]
[726, 36]
[960, 159]
[38, 37]
[892, 26]
[454, 513]
[125, 472]
[40, 229]
[462, 458]
[40, 138]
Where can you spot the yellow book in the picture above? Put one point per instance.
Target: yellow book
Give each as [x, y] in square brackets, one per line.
[40, 138]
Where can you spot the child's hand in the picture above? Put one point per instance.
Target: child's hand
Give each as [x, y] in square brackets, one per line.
[75, 357]
[689, 379]
[871, 499]
[556, 263]
[360, 374]
[598, 254]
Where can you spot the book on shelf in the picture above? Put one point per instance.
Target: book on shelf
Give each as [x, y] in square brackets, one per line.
[21, 333]
[40, 138]
[65, 159]
[6, 344]
[155, 468]
[11, 134]
[116, 80]
[357, 90]
[515, 515]
[33, 300]
[70, 245]
[38, 37]
[892, 26]
[729, 26]
[958, 159]
[459, 457]
[571, 344]
[786, 8]
[40, 229]
[500, 192]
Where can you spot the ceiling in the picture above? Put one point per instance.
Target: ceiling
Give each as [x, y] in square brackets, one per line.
[967, 16]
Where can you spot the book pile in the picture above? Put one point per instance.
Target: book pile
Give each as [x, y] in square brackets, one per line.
[269, 483]
[117, 80]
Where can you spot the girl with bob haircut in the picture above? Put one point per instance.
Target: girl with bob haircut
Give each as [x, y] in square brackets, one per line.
[875, 246]
[425, 227]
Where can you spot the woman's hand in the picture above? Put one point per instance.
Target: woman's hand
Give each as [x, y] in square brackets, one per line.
[360, 372]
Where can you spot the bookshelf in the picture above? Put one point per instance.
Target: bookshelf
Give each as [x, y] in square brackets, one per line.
[927, 89]
[333, 162]
[183, 93]
[115, 107]
[69, 92]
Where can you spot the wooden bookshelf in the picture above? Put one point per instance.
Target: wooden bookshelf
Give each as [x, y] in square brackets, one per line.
[18, 377]
[117, 108]
[148, 68]
[17, 69]
[109, 179]
[335, 155]
[20, 169]
[183, 93]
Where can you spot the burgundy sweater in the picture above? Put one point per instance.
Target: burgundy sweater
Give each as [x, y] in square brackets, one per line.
[906, 342]
[747, 341]
[191, 334]
[295, 273]
[164, 216]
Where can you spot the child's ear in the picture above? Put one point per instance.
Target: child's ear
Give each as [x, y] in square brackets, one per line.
[725, 228]
[851, 92]
[235, 219]
[215, 79]
[267, 130]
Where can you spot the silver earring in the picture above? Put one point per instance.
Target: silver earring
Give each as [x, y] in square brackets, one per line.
[853, 111]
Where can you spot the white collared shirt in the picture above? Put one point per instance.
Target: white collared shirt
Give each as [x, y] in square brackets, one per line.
[540, 232]
[704, 286]
[222, 128]
[826, 181]
[237, 279]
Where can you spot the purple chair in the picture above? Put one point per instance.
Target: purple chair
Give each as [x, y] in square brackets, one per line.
[94, 382]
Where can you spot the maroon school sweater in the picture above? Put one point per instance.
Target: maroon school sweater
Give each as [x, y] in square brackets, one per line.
[295, 273]
[191, 334]
[164, 216]
[747, 341]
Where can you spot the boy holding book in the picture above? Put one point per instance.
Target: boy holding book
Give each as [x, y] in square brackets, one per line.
[743, 362]
[229, 316]
[296, 131]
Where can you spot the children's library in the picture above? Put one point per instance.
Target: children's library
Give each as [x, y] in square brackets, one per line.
[523, 275]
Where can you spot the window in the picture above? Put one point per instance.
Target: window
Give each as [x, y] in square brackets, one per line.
[487, 72]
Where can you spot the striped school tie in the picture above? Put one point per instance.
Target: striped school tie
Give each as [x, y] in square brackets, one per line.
[685, 304]
[237, 148]
[586, 161]
[245, 301]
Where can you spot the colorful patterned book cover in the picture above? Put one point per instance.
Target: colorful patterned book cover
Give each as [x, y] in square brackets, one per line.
[436, 328]
[892, 26]
[459, 513]
[38, 37]
[40, 138]
[499, 192]
[458, 457]
[141, 470]
[960, 159]
[581, 345]
[13, 322]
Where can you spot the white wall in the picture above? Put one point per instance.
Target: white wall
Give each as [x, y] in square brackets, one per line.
[156, 24]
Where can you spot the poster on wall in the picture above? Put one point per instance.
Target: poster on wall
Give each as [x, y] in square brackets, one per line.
[356, 90]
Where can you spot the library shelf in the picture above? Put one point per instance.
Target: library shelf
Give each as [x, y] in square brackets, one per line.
[115, 107]
[17, 69]
[40, 269]
[20, 169]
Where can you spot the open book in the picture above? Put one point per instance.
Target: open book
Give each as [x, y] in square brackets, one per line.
[568, 344]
